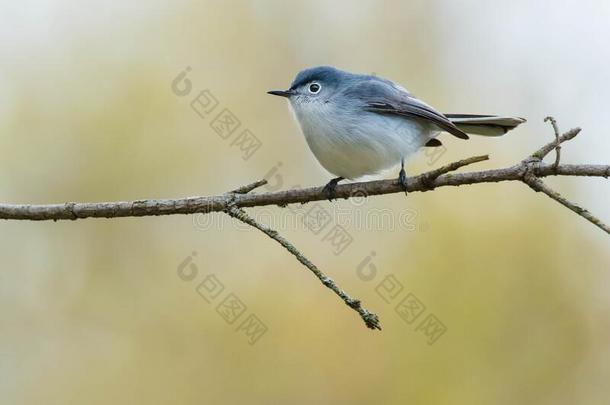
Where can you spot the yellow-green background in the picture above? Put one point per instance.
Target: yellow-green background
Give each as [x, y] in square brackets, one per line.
[93, 312]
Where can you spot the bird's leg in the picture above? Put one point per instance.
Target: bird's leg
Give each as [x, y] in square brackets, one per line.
[329, 188]
[402, 176]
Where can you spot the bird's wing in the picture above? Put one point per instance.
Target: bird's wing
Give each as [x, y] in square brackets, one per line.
[412, 108]
[384, 97]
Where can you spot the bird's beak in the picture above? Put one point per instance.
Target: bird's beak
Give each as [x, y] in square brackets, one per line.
[281, 93]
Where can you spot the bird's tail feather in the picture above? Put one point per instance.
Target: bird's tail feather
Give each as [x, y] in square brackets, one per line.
[485, 125]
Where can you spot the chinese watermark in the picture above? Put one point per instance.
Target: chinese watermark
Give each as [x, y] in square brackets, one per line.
[407, 306]
[222, 120]
[228, 305]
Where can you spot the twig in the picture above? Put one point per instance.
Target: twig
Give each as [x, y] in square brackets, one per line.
[428, 178]
[557, 143]
[249, 187]
[538, 185]
[531, 174]
[542, 152]
[370, 319]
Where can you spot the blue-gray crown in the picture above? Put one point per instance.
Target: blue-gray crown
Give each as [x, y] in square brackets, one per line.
[326, 74]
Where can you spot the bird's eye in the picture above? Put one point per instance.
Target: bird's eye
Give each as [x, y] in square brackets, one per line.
[315, 88]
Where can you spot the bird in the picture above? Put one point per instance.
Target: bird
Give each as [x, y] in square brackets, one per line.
[361, 124]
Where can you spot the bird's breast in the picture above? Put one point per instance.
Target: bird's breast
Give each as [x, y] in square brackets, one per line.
[354, 143]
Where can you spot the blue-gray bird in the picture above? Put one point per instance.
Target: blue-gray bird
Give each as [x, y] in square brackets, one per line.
[358, 125]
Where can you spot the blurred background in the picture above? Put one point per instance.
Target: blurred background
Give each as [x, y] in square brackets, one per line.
[487, 294]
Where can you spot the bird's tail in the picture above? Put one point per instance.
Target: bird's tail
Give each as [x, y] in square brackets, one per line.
[486, 125]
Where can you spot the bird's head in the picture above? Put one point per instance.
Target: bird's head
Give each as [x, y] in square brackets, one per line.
[314, 85]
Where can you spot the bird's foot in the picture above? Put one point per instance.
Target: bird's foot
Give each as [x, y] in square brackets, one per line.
[402, 179]
[329, 188]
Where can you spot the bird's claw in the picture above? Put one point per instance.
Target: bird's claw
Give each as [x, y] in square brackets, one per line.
[402, 179]
[329, 189]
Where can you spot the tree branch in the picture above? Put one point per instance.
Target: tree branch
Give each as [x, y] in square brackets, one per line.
[218, 203]
[557, 139]
[529, 171]
[370, 319]
[538, 185]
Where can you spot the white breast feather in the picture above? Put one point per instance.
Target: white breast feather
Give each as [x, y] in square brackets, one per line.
[355, 145]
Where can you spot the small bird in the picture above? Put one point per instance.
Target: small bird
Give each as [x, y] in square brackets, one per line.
[359, 125]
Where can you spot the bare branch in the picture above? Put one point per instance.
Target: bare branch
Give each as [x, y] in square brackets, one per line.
[542, 152]
[250, 187]
[557, 135]
[370, 319]
[529, 171]
[428, 178]
[218, 203]
[538, 185]
[532, 174]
